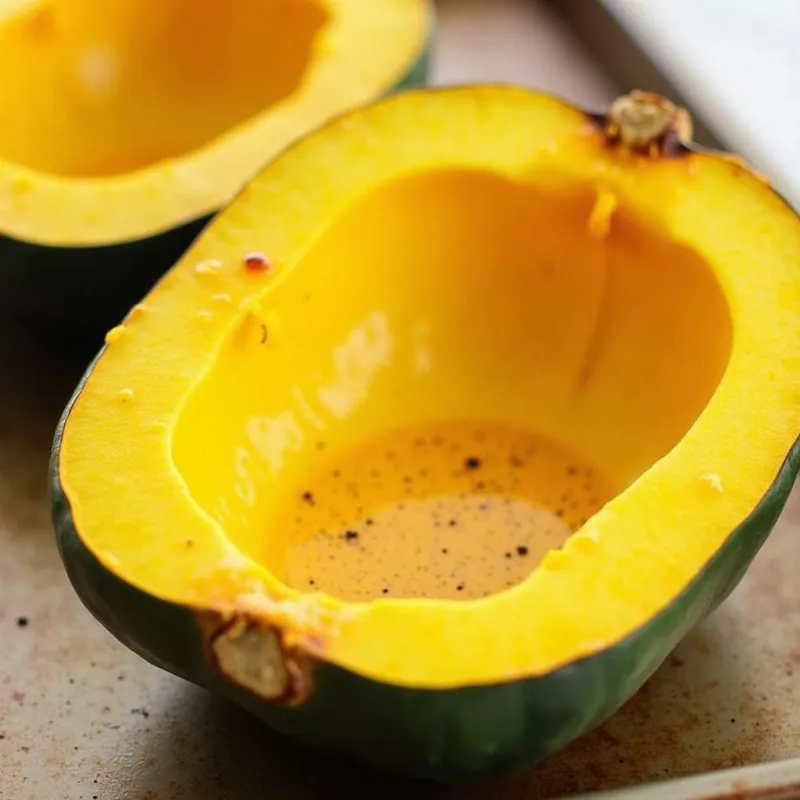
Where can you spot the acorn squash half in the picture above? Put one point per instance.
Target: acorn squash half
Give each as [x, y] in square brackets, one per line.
[126, 124]
[444, 432]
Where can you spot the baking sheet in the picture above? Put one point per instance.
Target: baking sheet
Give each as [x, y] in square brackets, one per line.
[82, 717]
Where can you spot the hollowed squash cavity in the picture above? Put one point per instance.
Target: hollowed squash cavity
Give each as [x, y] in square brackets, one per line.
[93, 89]
[451, 295]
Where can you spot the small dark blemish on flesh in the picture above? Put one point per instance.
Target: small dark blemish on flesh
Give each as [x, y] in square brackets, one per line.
[257, 262]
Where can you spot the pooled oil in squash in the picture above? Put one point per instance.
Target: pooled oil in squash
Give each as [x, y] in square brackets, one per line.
[451, 510]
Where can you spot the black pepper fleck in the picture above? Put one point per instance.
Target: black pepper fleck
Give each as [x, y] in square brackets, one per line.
[351, 535]
[472, 463]
[22, 622]
[523, 551]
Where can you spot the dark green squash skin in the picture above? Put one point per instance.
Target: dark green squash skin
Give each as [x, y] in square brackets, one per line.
[441, 735]
[81, 292]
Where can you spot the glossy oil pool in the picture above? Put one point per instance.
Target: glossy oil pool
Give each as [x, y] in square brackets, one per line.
[451, 510]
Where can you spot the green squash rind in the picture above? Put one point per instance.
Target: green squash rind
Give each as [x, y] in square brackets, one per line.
[84, 291]
[432, 734]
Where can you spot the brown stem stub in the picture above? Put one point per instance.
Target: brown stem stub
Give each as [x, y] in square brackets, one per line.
[253, 656]
[648, 123]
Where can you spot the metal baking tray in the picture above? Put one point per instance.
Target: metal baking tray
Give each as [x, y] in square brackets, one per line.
[81, 717]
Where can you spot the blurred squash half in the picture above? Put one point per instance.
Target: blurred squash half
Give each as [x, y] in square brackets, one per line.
[126, 124]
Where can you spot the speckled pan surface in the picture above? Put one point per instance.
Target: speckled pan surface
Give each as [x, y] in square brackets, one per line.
[82, 717]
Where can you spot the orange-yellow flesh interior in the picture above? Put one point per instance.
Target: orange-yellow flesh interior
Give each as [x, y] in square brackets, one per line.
[445, 264]
[456, 296]
[448, 509]
[124, 119]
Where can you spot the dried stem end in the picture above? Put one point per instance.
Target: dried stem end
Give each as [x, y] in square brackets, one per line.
[648, 123]
[253, 657]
